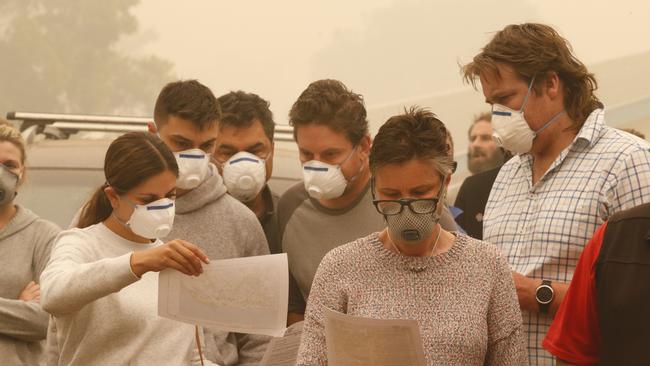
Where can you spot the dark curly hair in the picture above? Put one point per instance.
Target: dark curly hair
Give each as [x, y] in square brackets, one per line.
[331, 103]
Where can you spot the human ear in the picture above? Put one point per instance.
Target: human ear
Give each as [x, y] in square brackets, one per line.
[151, 127]
[364, 145]
[112, 196]
[552, 84]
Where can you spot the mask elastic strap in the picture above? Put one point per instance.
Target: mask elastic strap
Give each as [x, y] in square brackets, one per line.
[354, 177]
[530, 87]
[348, 158]
[553, 119]
[125, 224]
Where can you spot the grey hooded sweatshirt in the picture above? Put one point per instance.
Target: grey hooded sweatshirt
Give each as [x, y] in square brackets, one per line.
[25, 245]
[224, 228]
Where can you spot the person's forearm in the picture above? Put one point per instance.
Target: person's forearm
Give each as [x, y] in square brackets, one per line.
[68, 286]
[23, 320]
[527, 289]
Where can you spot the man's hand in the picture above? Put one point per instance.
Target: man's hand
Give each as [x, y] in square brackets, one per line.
[526, 288]
[31, 292]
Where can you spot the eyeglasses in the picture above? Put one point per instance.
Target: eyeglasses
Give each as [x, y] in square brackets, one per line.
[395, 207]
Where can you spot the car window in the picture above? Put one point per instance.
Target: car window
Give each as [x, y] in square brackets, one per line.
[57, 194]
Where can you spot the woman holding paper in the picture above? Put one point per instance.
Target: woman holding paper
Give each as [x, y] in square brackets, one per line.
[458, 289]
[100, 283]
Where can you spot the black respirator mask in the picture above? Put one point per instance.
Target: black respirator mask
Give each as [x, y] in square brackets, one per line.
[8, 185]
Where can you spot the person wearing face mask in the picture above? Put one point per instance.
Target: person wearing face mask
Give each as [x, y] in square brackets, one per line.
[244, 155]
[25, 244]
[484, 160]
[457, 288]
[101, 283]
[186, 116]
[483, 153]
[571, 171]
[331, 206]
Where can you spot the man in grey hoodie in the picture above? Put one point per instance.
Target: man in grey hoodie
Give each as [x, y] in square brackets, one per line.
[25, 245]
[186, 116]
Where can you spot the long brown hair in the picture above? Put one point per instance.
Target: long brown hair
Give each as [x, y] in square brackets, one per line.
[130, 160]
[535, 50]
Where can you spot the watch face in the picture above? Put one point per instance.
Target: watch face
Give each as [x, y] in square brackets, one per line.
[544, 294]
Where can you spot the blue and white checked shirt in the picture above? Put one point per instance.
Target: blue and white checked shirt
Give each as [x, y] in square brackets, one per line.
[543, 228]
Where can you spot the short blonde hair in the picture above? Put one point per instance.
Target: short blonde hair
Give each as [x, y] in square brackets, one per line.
[10, 134]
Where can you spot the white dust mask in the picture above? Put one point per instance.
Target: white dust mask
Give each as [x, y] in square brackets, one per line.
[325, 181]
[244, 175]
[193, 166]
[511, 131]
[153, 220]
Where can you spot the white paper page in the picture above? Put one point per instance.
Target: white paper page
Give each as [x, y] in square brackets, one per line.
[355, 341]
[243, 295]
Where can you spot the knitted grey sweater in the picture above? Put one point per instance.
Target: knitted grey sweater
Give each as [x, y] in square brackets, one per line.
[464, 300]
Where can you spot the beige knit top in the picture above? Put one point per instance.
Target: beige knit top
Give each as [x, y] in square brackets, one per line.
[464, 300]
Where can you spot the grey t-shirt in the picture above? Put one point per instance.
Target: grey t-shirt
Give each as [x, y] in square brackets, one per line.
[309, 230]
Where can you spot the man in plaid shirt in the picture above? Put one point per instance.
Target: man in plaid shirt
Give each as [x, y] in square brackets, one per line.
[570, 172]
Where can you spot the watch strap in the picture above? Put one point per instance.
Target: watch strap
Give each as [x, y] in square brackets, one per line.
[543, 308]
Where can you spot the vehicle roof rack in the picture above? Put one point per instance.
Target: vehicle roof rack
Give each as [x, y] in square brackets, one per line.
[73, 123]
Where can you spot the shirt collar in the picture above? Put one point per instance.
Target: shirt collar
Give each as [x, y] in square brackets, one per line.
[593, 128]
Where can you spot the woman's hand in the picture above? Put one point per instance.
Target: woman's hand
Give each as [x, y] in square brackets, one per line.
[31, 292]
[177, 254]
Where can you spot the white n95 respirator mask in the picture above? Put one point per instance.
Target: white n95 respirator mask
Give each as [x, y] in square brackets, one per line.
[193, 166]
[244, 175]
[511, 130]
[153, 220]
[325, 181]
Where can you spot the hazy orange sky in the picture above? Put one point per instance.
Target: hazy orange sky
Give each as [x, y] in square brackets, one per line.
[384, 49]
